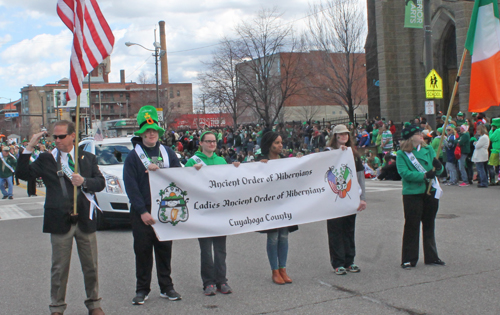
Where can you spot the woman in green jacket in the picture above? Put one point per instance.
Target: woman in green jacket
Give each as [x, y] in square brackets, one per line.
[213, 266]
[417, 165]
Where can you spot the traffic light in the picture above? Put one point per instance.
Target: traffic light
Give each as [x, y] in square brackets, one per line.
[58, 98]
[60, 112]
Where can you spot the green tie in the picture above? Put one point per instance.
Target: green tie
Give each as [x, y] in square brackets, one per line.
[71, 164]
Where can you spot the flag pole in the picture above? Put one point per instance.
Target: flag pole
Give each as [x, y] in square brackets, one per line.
[77, 120]
[452, 100]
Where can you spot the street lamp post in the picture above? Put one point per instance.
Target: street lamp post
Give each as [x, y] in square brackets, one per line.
[158, 53]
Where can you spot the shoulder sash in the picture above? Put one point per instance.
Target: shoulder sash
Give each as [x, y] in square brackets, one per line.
[145, 160]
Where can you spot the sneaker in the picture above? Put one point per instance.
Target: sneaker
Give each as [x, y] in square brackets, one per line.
[340, 271]
[209, 290]
[171, 295]
[353, 268]
[5, 197]
[224, 289]
[139, 299]
[407, 265]
[464, 184]
[10, 197]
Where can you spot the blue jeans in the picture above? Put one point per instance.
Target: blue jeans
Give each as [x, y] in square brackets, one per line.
[452, 170]
[491, 174]
[9, 182]
[481, 173]
[462, 166]
[277, 248]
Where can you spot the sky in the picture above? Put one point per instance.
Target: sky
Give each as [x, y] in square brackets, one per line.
[35, 46]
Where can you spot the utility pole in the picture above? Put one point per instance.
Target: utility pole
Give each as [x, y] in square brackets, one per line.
[100, 107]
[431, 119]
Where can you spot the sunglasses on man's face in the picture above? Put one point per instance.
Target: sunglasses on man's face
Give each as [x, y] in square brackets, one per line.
[59, 136]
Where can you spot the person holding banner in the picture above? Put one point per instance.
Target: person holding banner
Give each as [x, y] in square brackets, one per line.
[148, 156]
[417, 164]
[277, 239]
[341, 230]
[213, 266]
[57, 172]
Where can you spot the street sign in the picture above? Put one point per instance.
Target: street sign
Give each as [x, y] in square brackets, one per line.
[429, 108]
[16, 114]
[433, 85]
[160, 114]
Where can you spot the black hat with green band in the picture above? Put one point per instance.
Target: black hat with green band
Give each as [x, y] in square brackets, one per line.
[409, 130]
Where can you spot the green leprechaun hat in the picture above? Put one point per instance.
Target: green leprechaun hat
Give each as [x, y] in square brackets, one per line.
[147, 118]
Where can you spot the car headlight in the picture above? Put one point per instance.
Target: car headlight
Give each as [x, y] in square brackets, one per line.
[112, 184]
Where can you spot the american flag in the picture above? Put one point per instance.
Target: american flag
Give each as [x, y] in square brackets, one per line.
[92, 39]
[98, 135]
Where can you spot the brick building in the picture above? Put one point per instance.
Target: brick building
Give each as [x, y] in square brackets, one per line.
[313, 97]
[396, 63]
[109, 101]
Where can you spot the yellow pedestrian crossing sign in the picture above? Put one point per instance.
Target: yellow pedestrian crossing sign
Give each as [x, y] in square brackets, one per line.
[433, 85]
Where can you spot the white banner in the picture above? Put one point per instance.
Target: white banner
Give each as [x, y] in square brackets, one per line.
[223, 200]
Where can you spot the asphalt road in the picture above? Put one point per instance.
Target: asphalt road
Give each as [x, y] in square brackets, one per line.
[467, 239]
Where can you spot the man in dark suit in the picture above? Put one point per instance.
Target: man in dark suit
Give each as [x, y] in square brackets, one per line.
[58, 208]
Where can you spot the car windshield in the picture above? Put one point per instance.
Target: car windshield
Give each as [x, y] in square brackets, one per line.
[112, 153]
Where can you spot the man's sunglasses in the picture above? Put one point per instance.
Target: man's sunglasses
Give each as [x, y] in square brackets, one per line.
[59, 136]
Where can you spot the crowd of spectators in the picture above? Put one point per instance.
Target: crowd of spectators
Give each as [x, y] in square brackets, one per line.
[376, 140]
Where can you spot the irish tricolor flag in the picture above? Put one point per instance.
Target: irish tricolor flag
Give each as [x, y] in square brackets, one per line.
[483, 43]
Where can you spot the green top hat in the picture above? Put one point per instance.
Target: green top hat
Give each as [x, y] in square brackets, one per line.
[147, 118]
[460, 114]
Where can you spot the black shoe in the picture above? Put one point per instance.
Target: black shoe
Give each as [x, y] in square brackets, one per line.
[5, 197]
[10, 197]
[171, 295]
[438, 262]
[140, 298]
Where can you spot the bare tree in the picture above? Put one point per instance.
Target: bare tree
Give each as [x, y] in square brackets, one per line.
[307, 113]
[269, 77]
[218, 82]
[338, 30]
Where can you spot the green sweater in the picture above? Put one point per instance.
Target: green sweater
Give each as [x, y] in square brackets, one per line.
[5, 172]
[414, 182]
[213, 160]
[435, 145]
[464, 143]
[495, 140]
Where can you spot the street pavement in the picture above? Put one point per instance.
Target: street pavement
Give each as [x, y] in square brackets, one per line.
[467, 236]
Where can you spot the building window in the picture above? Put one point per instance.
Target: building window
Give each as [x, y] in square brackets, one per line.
[333, 112]
[179, 104]
[111, 109]
[178, 93]
[171, 93]
[340, 112]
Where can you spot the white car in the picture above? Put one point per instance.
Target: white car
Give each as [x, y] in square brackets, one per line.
[113, 201]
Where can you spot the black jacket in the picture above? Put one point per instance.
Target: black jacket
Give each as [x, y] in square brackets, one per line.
[137, 180]
[58, 210]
